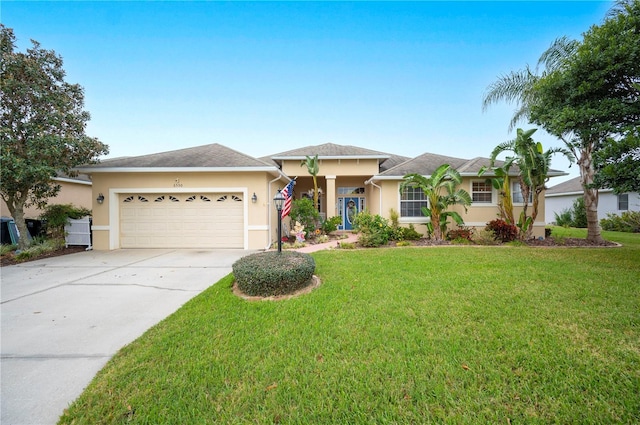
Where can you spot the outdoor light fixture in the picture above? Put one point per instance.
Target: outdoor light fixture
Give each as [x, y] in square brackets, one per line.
[100, 198]
[278, 201]
[254, 198]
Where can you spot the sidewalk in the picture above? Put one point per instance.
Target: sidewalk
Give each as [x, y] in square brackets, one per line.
[351, 238]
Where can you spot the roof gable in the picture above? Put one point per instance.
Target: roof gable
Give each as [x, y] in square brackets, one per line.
[207, 156]
[424, 164]
[330, 151]
[570, 186]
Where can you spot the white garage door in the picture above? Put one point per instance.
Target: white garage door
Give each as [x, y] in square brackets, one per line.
[195, 220]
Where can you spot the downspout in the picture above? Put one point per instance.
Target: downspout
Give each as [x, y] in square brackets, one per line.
[269, 205]
[370, 181]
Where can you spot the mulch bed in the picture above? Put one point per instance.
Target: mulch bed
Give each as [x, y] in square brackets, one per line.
[9, 259]
[548, 242]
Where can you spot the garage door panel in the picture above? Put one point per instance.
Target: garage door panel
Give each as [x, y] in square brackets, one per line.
[182, 221]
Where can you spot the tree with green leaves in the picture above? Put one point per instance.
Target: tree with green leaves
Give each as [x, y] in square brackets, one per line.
[533, 167]
[617, 165]
[587, 93]
[313, 168]
[501, 181]
[593, 98]
[441, 191]
[42, 131]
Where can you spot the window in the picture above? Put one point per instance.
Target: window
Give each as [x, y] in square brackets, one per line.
[411, 202]
[350, 190]
[623, 202]
[481, 192]
[516, 194]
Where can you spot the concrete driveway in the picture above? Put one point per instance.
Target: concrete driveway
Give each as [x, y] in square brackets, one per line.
[63, 318]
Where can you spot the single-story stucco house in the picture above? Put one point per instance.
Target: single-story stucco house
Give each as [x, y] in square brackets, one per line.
[562, 196]
[215, 197]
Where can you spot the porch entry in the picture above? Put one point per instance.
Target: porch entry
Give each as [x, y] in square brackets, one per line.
[349, 207]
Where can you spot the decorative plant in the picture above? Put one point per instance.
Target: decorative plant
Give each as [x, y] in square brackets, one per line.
[313, 167]
[441, 191]
[302, 211]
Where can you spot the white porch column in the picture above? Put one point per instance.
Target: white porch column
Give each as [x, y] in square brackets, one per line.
[331, 196]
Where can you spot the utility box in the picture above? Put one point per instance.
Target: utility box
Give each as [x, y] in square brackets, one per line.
[78, 232]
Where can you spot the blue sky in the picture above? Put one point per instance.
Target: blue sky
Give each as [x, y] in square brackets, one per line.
[263, 77]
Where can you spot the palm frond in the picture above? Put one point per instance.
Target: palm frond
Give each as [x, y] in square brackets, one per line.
[558, 52]
[511, 88]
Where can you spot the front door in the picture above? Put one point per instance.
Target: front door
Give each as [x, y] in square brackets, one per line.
[350, 206]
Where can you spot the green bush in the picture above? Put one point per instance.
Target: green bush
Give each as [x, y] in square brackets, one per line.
[7, 248]
[374, 230]
[303, 211]
[331, 224]
[564, 219]
[579, 214]
[273, 273]
[39, 247]
[628, 221]
[56, 216]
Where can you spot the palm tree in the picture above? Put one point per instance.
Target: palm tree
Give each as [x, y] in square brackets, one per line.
[533, 164]
[313, 167]
[520, 88]
[440, 190]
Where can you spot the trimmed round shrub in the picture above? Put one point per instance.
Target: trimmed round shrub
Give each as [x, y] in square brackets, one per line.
[273, 273]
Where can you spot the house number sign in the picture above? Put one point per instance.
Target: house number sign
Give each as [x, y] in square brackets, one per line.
[177, 183]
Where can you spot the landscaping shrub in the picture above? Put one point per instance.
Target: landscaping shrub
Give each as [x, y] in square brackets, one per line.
[273, 273]
[485, 237]
[400, 233]
[331, 224]
[628, 221]
[57, 216]
[576, 216]
[579, 214]
[460, 233]
[503, 231]
[39, 247]
[564, 219]
[303, 211]
[374, 229]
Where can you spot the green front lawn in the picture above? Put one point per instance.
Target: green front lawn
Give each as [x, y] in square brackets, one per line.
[401, 335]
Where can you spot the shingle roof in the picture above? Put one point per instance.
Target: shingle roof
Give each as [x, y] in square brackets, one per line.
[427, 163]
[570, 186]
[424, 164]
[207, 156]
[330, 150]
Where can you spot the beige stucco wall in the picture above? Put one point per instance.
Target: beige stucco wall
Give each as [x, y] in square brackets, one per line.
[78, 194]
[477, 215]
[260, 220]
[335, 167]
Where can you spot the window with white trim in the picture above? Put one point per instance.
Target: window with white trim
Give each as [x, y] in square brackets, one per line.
[481, 192]
[516, 194]
[623, 202]
[412, 200]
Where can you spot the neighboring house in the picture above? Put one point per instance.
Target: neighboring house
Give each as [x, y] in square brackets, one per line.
[73, 190]
[562, 196]
[215, 197]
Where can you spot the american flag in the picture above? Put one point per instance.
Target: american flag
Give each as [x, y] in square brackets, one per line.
[287, 192]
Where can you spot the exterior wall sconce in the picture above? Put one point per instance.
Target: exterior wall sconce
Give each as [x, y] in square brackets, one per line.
[254, 198]
[100, 198]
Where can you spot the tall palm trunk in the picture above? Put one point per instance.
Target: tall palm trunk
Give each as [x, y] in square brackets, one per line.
[587, 173]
